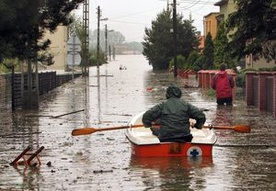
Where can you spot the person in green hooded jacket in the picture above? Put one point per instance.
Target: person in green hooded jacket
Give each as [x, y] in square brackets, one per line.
[174, 116]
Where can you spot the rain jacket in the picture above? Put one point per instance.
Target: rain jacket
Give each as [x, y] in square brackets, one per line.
[173, 116]
[223, 84]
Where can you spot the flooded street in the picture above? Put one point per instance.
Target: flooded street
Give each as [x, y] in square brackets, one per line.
[102, 161]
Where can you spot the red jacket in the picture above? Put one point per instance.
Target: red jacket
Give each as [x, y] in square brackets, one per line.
[223, 84]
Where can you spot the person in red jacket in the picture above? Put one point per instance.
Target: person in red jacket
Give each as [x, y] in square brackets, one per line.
[223, 83]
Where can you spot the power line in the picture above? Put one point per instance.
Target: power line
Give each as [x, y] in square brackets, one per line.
[200, 2]
[133, 14]
[126, 22]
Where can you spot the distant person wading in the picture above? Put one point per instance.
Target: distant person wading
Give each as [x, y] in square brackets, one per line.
[223, 83]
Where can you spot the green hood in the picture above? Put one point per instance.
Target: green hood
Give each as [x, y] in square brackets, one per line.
[173, 91]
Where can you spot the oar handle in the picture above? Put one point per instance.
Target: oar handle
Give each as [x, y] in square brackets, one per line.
[218, 127]
[119, 127]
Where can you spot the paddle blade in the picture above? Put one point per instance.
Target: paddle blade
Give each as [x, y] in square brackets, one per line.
[83, 131]
[242, 128]
[89, 130]
[237, 128]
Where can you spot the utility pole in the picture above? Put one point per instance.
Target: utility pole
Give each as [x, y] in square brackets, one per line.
[86, 37]
[85, 67]
[106, 41]
[174, 38]
[98, 36]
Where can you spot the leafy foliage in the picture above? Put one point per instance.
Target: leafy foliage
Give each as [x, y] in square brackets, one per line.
[181, 62]
[193, 56]
[199, 63]
[241, 75]
[240, 80]
[114, 38]
[222, 49]
[254, 29]
[206, 60]
[24, 22]
[208, 52]
[159, 44]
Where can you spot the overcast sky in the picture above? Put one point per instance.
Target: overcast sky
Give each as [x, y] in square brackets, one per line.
[130, 17]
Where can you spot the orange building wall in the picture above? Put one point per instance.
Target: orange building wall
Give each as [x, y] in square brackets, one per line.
[210, 24]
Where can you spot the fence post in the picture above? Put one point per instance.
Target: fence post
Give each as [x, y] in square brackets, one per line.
[205, 75]
[262, 102]
[274, 94]
[249, 88]
[199, 78]
[234, 89]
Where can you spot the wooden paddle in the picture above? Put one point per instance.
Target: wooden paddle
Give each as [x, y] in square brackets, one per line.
[90, 130]
[237, 128]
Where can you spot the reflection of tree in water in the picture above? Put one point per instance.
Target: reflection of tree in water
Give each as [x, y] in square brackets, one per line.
[30, 177]
[17, 136]
[172, 173]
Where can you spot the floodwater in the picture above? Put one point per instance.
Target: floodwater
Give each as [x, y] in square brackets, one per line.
[102, 160]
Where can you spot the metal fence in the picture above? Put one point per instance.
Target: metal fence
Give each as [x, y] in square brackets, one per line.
[10, 87]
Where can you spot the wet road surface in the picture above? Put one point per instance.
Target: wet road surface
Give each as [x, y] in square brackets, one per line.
[102, 160]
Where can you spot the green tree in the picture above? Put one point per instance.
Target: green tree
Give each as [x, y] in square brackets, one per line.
[181, 62]
[114, 38]
[13, 20]
[222, 51]
[199, 63]
[77, 27]
[187, 36]
[24, 22]
[158, 41]
[21, 33]
[193, 56]
[253, 29]
[208, 52]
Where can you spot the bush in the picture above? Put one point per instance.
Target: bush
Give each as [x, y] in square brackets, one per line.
[240, 80]
[210, 92]
[268, 69]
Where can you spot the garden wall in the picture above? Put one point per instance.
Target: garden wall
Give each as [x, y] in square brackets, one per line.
[261, 91]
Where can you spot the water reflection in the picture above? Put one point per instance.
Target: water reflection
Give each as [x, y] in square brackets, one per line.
[172, 173]
[22, 131]
[223, 116]
[30, 177]
[123, 94]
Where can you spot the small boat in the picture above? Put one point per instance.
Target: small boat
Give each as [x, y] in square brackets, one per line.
[145, 144]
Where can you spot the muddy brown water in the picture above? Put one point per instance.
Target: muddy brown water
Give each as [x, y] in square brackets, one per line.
[103, 161]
